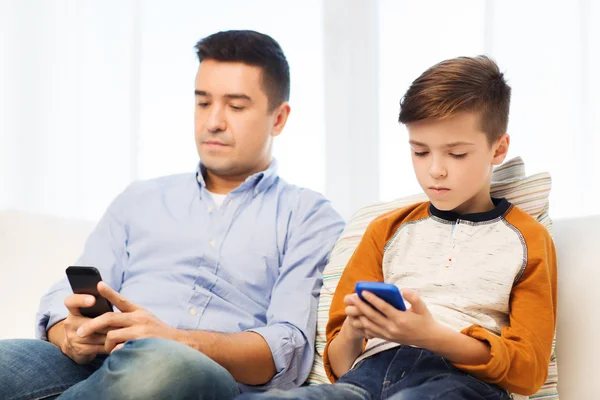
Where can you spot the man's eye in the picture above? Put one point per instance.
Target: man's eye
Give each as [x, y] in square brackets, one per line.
[237, 108]
[202, 105]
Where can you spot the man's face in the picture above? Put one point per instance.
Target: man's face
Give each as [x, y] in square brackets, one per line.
[234, 128]
[453, 161]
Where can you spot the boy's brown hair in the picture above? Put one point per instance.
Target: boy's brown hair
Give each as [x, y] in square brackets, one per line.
[471, 84]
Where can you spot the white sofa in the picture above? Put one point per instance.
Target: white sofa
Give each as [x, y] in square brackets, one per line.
[36, 249]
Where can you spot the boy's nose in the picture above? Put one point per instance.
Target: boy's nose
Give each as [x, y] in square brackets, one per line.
[437, 170]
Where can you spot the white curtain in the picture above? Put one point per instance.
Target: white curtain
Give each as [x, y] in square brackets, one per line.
[95, 94]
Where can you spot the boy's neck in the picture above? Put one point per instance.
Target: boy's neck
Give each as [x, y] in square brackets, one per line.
[475, 206]
[497, 209]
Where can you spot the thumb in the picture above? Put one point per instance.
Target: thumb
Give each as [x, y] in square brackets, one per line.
[417, 304]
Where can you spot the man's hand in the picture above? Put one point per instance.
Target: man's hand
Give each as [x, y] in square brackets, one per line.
[415, 326]
[133, 322]
[82, 350]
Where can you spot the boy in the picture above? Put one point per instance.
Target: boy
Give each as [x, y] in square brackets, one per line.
[479, 274]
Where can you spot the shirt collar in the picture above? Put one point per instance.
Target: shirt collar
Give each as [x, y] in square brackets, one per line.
[501, 206]
[258, 182]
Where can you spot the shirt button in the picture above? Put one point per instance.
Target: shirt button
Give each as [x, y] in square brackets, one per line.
[193, 310]
[212, 243]
[210, 209]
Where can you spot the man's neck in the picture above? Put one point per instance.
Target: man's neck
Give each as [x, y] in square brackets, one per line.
[220, 185]
[225, 184]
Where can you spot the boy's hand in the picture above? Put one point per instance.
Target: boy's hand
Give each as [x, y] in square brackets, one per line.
[352, 326]
[414, 326]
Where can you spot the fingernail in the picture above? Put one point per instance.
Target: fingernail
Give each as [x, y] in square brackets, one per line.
[80, 332]
[89, 301]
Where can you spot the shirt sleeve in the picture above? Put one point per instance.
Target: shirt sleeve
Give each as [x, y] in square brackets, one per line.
[292, 313]
[105, 249]
[521, 354]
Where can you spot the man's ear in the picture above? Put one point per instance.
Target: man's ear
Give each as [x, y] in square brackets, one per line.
[280, 114]
[501, 149]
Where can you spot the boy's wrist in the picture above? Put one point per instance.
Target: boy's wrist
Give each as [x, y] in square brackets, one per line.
[349, 333]
[434, 338]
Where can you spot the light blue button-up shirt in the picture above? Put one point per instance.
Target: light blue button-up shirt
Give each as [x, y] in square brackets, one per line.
[253, 264]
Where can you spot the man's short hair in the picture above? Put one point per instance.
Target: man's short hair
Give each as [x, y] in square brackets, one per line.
[251, 48]
[472, 84]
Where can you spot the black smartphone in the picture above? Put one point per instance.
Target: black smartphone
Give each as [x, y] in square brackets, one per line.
[84, 280]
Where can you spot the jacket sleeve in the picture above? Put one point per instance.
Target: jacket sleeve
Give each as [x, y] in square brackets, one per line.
[521, 354]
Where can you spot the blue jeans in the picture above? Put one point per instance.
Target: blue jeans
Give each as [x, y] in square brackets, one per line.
[402, 373]
[142, 369]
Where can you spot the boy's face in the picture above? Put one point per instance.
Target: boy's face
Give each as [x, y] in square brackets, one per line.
[453, 161]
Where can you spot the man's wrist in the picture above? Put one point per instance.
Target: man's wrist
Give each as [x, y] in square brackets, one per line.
[190, 338]
[181, 336]
[56, 334]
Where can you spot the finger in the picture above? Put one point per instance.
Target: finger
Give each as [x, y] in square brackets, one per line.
[105, 322]
[381, 305]
[116, 299]
[117, 347]
[117, 336]
[91, 340]
[352, 311]
[373, 329]
[416, 302]
[73, 322]
[87, 349]
[76, 301]
[350, 299]
[367, 310]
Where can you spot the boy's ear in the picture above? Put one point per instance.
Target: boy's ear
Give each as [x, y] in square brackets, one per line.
[501, 149]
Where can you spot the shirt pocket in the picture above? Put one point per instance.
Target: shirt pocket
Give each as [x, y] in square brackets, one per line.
[249, 273]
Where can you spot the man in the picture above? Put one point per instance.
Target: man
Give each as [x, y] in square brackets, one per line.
[216, 273]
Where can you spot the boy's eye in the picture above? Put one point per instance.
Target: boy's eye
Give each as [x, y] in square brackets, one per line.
[202, 104]
[458, 155]
[421, 153]
[237, 108]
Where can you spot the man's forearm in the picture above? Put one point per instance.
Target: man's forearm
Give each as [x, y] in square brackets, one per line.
[246, 355]
[457, 347]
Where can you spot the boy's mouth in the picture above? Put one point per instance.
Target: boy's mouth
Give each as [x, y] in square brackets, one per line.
[438, 189]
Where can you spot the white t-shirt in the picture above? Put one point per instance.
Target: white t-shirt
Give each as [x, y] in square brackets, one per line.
[218, 198]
